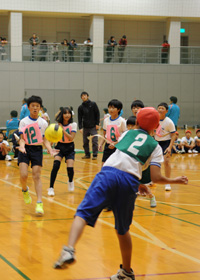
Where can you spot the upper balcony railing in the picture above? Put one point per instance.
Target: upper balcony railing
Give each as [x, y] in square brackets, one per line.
[52, 52]
[56, 52]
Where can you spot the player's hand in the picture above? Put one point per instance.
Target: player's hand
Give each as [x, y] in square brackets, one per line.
[111, 146]
[54, 152]
[167, 152]
[181, 180]
[22, 149]
[143, 190]
[100, 148]
[97, 127]
[81, 131]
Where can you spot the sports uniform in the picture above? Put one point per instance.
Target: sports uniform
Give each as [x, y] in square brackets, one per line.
[114, 128]
[66, 148]
[33, 132]
[163, 133]
[2, 157]
[117, 183]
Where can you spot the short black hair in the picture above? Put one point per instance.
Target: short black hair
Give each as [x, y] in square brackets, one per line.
[34, 98]
[14, 114]
[59, 117]
[25, 99]
[116, 103]
[137, 103]
[1, 132]
[174, 99]
[105, 110]
[83, 93]
[131, 120]
[164, 105]
[124, 36]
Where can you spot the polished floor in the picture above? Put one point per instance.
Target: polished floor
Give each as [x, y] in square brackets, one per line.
[166, 239]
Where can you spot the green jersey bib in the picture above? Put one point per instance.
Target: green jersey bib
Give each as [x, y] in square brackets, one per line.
[137, 144]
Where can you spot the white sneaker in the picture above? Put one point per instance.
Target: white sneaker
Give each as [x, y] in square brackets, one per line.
[67, 256]
[168, 187]
[195, 151]
[122, 274]
[153, 201]
[70, 186]
[189, 151]
[8, 158]
[51, 192]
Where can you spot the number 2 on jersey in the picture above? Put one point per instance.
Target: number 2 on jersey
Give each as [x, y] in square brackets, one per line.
[141, 140]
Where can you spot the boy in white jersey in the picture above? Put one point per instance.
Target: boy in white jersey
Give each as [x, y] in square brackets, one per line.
[117, 184]
[4, 148]
[32, 130]
[165, 135]
[188, 142]
[113, 127]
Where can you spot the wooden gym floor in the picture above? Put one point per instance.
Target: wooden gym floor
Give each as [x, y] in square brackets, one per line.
[166, 239]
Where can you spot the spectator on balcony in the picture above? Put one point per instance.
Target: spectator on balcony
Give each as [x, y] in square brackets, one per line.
[165, 51]
[34, 41]
[43, 50]
[3, 53]
[88, 49]
[72, 47]
[122, 45]
[110, 48]
[54, 51]
[65, 45]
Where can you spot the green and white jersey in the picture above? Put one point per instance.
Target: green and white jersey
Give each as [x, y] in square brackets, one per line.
[136, 150]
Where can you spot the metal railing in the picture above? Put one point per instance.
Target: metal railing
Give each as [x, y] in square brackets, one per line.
[130, 54]
[135, 54]
[190, 55]
[56, 52]
[5, 52]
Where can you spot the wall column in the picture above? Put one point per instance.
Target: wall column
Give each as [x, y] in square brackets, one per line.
[97, 36]
[173, 37]
[15, 36]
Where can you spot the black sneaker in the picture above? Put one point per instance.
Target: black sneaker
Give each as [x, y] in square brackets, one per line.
[94, 157]
[85, 157]
[66, 256]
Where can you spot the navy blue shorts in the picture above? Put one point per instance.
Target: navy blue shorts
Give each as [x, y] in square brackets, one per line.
[34, 154]
[107, 152]
[164, 145]
[66, 150]
[2, 157]
[112, 187]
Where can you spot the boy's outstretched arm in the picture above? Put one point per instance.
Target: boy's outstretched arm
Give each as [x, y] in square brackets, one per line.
[157, 177]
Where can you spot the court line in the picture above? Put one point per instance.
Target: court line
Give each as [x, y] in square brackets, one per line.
[152, 239]
[145, 275]
[15, 268]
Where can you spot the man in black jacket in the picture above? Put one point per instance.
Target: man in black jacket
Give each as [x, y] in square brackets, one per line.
[88, 121]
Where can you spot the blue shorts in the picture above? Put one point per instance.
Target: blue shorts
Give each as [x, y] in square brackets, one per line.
[112, 187]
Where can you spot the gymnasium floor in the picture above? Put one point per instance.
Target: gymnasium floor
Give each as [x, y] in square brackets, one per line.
[166, 239]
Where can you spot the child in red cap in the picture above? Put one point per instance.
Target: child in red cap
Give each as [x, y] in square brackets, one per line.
[188, 143]
[117, 184]
[178, 147]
